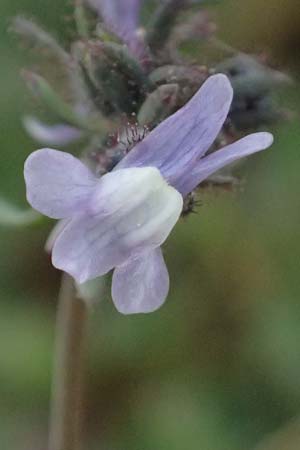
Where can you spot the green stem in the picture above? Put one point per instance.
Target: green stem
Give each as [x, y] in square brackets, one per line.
[66, 411]
[81, 19]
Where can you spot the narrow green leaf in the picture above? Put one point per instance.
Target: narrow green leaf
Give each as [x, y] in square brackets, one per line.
[162, 23]
[40, 87]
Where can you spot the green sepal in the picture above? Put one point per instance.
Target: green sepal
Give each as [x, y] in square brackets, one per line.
[158, 105]
[177, 74]
[114, 79]
[37, 36]
[81, 19]
[162, 23]
[127, 64]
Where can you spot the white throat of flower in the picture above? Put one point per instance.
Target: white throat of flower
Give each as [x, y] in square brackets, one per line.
[143, 208]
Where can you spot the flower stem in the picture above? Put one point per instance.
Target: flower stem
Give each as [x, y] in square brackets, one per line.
[66, 408]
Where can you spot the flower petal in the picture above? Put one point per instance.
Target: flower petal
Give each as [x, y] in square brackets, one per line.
[227, 155]
[58, 184]
[122, 18]
[131, 210]
[187, 134]
[54, 233]
[121, 15]
[141, 285]
[54, 135]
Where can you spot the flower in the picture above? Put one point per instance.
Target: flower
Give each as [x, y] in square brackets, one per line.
[60, 134]
[122, 18]
[120, 220]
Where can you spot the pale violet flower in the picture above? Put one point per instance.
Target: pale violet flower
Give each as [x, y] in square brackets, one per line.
[120, 220]
[122, 18]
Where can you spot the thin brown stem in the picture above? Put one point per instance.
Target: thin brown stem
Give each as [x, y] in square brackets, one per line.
[66, 408]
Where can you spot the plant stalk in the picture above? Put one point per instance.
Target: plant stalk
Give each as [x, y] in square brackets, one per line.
[66, 407]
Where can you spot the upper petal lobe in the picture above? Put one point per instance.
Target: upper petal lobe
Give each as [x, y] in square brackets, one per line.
[57, 184]
[185, 136]
[227, 155]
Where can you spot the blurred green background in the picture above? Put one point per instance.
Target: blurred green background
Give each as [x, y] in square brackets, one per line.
[218, 367]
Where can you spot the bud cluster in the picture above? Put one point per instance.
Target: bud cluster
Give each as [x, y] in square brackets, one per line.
[124, 77]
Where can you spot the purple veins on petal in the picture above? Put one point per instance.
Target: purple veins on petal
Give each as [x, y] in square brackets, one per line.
[129, 212]
[141, 285]
[184, 137]
[54, 135]
[227, 155]
[57, 184]
[106, 220]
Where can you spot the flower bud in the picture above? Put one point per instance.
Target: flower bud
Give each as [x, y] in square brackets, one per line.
[115, 79]
[188, 78]
[253, 85]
